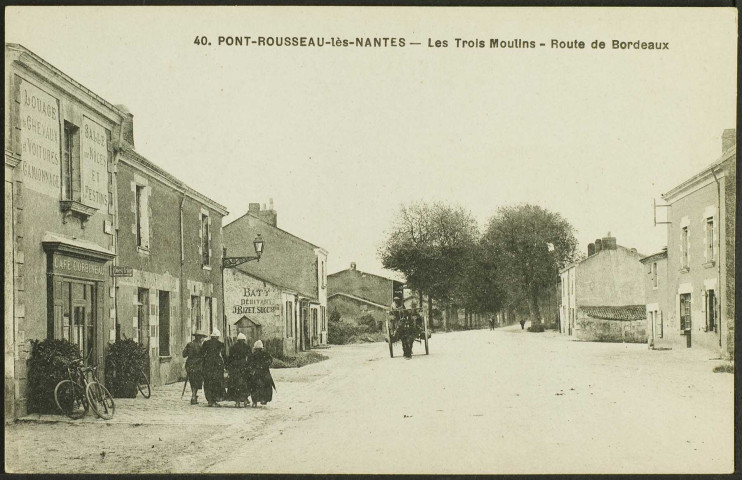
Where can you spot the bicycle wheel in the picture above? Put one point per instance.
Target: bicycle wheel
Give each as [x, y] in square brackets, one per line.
[70, 399]
[143, 385]
[100, 400]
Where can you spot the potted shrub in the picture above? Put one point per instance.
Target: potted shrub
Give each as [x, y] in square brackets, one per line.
[125, 359]
[47, 366]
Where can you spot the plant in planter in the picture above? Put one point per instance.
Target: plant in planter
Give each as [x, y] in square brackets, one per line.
[47, 366]
[125, 359]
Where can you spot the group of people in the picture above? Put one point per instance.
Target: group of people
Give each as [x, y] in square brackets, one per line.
[248, 370]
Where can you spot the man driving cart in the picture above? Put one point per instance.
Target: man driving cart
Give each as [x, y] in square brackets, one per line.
[405, 325]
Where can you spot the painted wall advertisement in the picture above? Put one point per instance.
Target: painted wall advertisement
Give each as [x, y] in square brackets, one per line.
[94, 164]
[250, 297]
[40, 140]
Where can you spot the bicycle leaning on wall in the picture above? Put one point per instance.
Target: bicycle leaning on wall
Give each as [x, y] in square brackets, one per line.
[76, 393]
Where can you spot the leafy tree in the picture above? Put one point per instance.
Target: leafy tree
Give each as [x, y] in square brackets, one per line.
[529, 244]
[430, 244]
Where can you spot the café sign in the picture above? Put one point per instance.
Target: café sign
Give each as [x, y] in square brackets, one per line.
[78, 267]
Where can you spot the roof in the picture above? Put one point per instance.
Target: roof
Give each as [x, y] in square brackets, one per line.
[64, 76]
[274, 227]
[157, 170]
[654, 256]
[364, 273]
[671, 194]
[624, 313]
[574, 264]
[358, 299]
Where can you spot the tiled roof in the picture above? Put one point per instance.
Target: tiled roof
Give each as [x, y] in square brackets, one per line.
[626, 312]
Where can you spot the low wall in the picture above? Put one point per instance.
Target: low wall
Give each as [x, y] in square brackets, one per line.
[616, 331]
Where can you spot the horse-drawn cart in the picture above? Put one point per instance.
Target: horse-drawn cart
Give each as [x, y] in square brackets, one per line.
[413, 316]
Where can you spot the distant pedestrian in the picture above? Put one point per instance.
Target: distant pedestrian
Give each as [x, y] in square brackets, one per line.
[492, 322]
[261, 381]
[237, 369]
[522, 324]
[194, 364]
[213, 353]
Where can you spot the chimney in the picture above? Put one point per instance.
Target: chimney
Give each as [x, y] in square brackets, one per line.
[268, 215]
[728, 139]
[590, 249]
[352, 265]
[254, 208]
[598, 245]
[609, 243]
[127, 125]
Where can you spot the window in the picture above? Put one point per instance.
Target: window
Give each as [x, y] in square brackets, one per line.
[315, 325]
[685, 318]
[289, 315]
[196, 312]
[205, 240]
[710, 239]
[207, 313]
[655, 278]
[71, 163]
[142, 216]
[142, 333]
[323, 278]
[710, 311]
[323, 313]
[164, 324]
[684, 247]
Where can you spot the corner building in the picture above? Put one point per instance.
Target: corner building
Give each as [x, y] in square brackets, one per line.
[59, 216]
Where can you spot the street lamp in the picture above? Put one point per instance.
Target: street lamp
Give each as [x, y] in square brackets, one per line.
[231, 262]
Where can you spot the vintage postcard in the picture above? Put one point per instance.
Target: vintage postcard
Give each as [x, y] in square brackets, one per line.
[370, 240]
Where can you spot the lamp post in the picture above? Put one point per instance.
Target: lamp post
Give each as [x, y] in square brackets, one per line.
[231, 262]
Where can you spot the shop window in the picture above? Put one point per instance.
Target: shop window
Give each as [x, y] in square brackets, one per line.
[71, 163]
[710, 239]
[164, 323]
[685, 315]
[142, 217]
[205, 240]
[711, 311]
[196, 312]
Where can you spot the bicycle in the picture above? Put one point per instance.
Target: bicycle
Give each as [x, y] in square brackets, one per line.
[69, 396]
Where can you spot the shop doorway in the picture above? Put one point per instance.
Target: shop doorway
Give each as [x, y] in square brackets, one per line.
[79, 315]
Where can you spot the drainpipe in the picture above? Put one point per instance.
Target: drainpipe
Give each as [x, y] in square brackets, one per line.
[183, 297]
[115, 200]
[718, 254]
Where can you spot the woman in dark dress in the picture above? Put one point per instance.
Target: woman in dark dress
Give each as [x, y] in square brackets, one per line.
[237, 368]
[194, 364]
[213, 353]
[261, 381]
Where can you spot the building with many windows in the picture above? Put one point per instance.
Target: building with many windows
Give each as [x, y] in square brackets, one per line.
[59, 215]
[657, 308]
[700, 256]
[169, 248]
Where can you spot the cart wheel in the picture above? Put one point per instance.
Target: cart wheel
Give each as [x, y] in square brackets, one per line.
[389, 340]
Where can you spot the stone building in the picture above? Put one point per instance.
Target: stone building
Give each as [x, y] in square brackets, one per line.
[356, 294]
[282, 296]
[59, 215]
[170, 248]
[657, 308]
[700, 256]
[611, 277]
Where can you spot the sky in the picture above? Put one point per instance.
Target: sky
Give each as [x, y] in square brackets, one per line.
[340, 137]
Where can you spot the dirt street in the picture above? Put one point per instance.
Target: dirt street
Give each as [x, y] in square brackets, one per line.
[503, 401]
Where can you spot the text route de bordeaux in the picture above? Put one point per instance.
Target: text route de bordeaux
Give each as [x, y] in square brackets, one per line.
[376, 42]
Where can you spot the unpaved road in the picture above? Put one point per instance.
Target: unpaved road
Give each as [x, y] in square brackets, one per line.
[503, 401]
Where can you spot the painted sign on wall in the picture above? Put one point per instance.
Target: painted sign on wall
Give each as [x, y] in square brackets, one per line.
[40, 139]
[94, 164]
[257, 300]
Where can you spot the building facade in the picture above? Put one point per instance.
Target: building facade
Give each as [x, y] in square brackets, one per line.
[169, 248]
[356, 294]
[292, 272]
[59, 215]
[657, 308]
[700, 256]
[611, 276]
